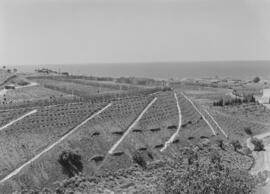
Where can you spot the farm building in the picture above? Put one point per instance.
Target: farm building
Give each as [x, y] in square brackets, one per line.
[266, 96]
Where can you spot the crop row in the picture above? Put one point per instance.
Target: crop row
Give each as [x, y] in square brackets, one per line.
[29, 136]
[93, 139]
[23, 139]
[234, 126]
[7, 116]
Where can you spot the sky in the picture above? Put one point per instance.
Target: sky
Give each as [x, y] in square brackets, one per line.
[118, 31]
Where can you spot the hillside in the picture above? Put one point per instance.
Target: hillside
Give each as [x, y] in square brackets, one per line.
[47, 144]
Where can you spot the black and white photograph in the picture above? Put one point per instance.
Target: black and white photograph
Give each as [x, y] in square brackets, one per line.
[134, 96]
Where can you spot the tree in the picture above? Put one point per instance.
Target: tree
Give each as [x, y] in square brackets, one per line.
[138, 158]
[15, 70]
[248, 131]
[256, 79]
[258, 143]
[236, 145]
[220, 143]
[71, 162]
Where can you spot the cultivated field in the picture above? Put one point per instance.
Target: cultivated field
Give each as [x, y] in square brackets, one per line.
[4, 76]
[78, 89]
[106, 133]
[31, 94]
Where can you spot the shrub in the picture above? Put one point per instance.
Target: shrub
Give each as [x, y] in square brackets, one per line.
[220, 143]
[138, 159]
[218, 103]
[215, 157]
[22, 83]
[236, 144]
[256, 79]
[248, 131]
[258, 143]
[210, 178]
[247, 151]
[71, 163]
[235, 101]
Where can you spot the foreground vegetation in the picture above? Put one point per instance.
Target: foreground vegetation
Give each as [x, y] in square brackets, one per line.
[201, 168]
[234, 101]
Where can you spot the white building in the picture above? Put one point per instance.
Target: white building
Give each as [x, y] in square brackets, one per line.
[266, 96]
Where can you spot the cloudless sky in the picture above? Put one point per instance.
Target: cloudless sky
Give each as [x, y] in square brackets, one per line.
[105, 31]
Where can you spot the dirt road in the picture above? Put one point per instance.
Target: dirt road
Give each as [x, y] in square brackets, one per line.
[262, 160]
[167, 143]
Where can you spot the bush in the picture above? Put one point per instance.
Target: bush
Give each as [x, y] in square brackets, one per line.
[236, 144]
[71, 163]
[234, 101]
[220, 144]
[258, 143]
[22, 83]
[138, 158]
[247, 151]
[215, 157]
[208, 178]
[248, 131]
[256, 79]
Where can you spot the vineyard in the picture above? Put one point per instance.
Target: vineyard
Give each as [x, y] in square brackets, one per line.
[8, 115]
[105, 133]
[25, 138]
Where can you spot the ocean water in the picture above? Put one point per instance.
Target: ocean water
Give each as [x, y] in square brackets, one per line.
[163, 70]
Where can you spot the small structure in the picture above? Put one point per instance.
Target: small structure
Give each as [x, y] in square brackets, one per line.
[266, 96]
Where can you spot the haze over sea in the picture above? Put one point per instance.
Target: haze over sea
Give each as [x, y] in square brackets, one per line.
[163, 70]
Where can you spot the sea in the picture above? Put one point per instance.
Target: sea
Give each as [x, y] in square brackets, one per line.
[162, 70]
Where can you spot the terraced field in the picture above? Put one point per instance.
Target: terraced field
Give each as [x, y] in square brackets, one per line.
[31, 94]
[252, 111]
[106, 135]
[8, 115]
[234, 126]
[78, 89]
[25, 138]
[149, 134]
[93, 139]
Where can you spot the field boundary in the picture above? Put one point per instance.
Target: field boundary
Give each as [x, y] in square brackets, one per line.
[167, 143]
[16, 171]
[207, 122]
[131, 126]
[18, 119]
[216, 123]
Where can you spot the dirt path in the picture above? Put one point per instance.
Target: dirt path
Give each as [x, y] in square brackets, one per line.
[179, 125]
[131, 126]
[207, 122]
[216, 123]
[18, 119]
[16, 171]
[262, 160]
